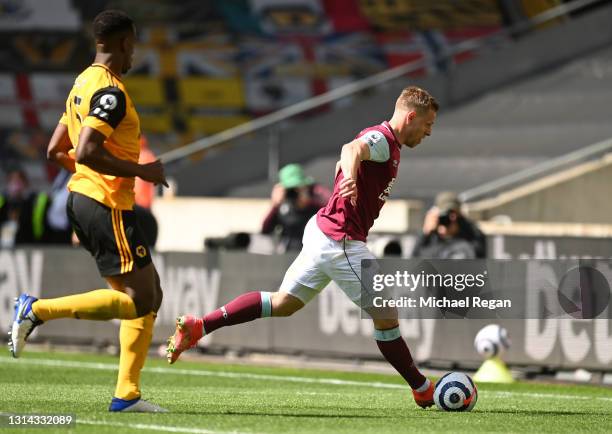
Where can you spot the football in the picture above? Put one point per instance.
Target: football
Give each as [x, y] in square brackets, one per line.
[455, 391]
[491, 341]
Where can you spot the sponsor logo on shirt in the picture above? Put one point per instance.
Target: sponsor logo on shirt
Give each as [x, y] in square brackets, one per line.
[387, 191]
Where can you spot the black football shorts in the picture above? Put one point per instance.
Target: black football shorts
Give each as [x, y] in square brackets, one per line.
[112, 236]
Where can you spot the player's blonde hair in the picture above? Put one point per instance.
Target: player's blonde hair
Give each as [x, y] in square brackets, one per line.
[415, 98]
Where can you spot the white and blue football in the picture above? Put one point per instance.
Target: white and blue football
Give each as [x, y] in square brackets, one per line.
[455, 391]
[491, 341]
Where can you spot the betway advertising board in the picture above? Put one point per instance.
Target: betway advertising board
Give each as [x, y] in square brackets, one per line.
[331, 324]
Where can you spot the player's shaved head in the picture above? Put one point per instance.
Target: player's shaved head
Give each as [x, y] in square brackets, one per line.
[111, 23]
[115, 36]
[415, 98]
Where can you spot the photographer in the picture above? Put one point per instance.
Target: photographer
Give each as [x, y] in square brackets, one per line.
[448, 234]
[294, 200]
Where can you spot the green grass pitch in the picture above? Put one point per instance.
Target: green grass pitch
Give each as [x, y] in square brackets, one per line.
[222, 398]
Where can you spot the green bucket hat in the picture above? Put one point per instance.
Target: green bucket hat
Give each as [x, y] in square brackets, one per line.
[292, 176]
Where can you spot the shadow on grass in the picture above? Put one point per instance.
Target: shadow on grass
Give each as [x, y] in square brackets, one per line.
[306, 415]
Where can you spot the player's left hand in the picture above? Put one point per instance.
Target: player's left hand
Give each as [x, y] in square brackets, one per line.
[154, 172]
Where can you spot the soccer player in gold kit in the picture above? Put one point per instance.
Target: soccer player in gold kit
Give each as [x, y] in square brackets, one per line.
[97, 139]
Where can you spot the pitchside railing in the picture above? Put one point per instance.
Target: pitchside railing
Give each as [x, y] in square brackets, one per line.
[274, 119]
[491, 188]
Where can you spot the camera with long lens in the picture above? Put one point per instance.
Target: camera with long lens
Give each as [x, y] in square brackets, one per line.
[233, 241]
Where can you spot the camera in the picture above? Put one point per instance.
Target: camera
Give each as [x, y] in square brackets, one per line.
[444, 219]
[233, 241]
[291, 194]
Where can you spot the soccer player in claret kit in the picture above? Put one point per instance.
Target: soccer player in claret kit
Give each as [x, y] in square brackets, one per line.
[334, 241]
[97, 139]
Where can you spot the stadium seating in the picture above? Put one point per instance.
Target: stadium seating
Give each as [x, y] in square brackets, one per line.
[501, 132]
[256, 56]
[251, 58]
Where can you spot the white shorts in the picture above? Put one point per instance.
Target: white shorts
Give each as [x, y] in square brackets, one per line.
[322, 260]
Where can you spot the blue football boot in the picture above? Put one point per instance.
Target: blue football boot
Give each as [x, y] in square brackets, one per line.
[24, 322]
[137, 405]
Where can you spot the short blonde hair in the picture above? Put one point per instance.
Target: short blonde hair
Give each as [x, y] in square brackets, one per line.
[413, 97]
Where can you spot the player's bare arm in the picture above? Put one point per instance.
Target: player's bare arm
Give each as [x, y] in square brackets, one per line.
[352, 155]
[92, 153]
[59, 148]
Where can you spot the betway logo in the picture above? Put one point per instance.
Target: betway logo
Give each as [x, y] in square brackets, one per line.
[20, 271]
[576, 339]
[187, 289]
[338, 314]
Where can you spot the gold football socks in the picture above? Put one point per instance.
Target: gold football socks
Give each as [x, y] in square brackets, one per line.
[99, 304]
[134, 337]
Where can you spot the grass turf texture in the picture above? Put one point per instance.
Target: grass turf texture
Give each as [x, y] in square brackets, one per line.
[220, 398]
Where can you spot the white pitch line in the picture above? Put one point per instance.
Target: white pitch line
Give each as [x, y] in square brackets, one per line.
[502, 394]
[267, 377]
[149, 427]
[205, 373]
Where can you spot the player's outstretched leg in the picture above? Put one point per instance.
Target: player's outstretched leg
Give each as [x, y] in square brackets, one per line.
[24, 323]
[100, 304]
[189, 329]
[244, 308]
[396, 352]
